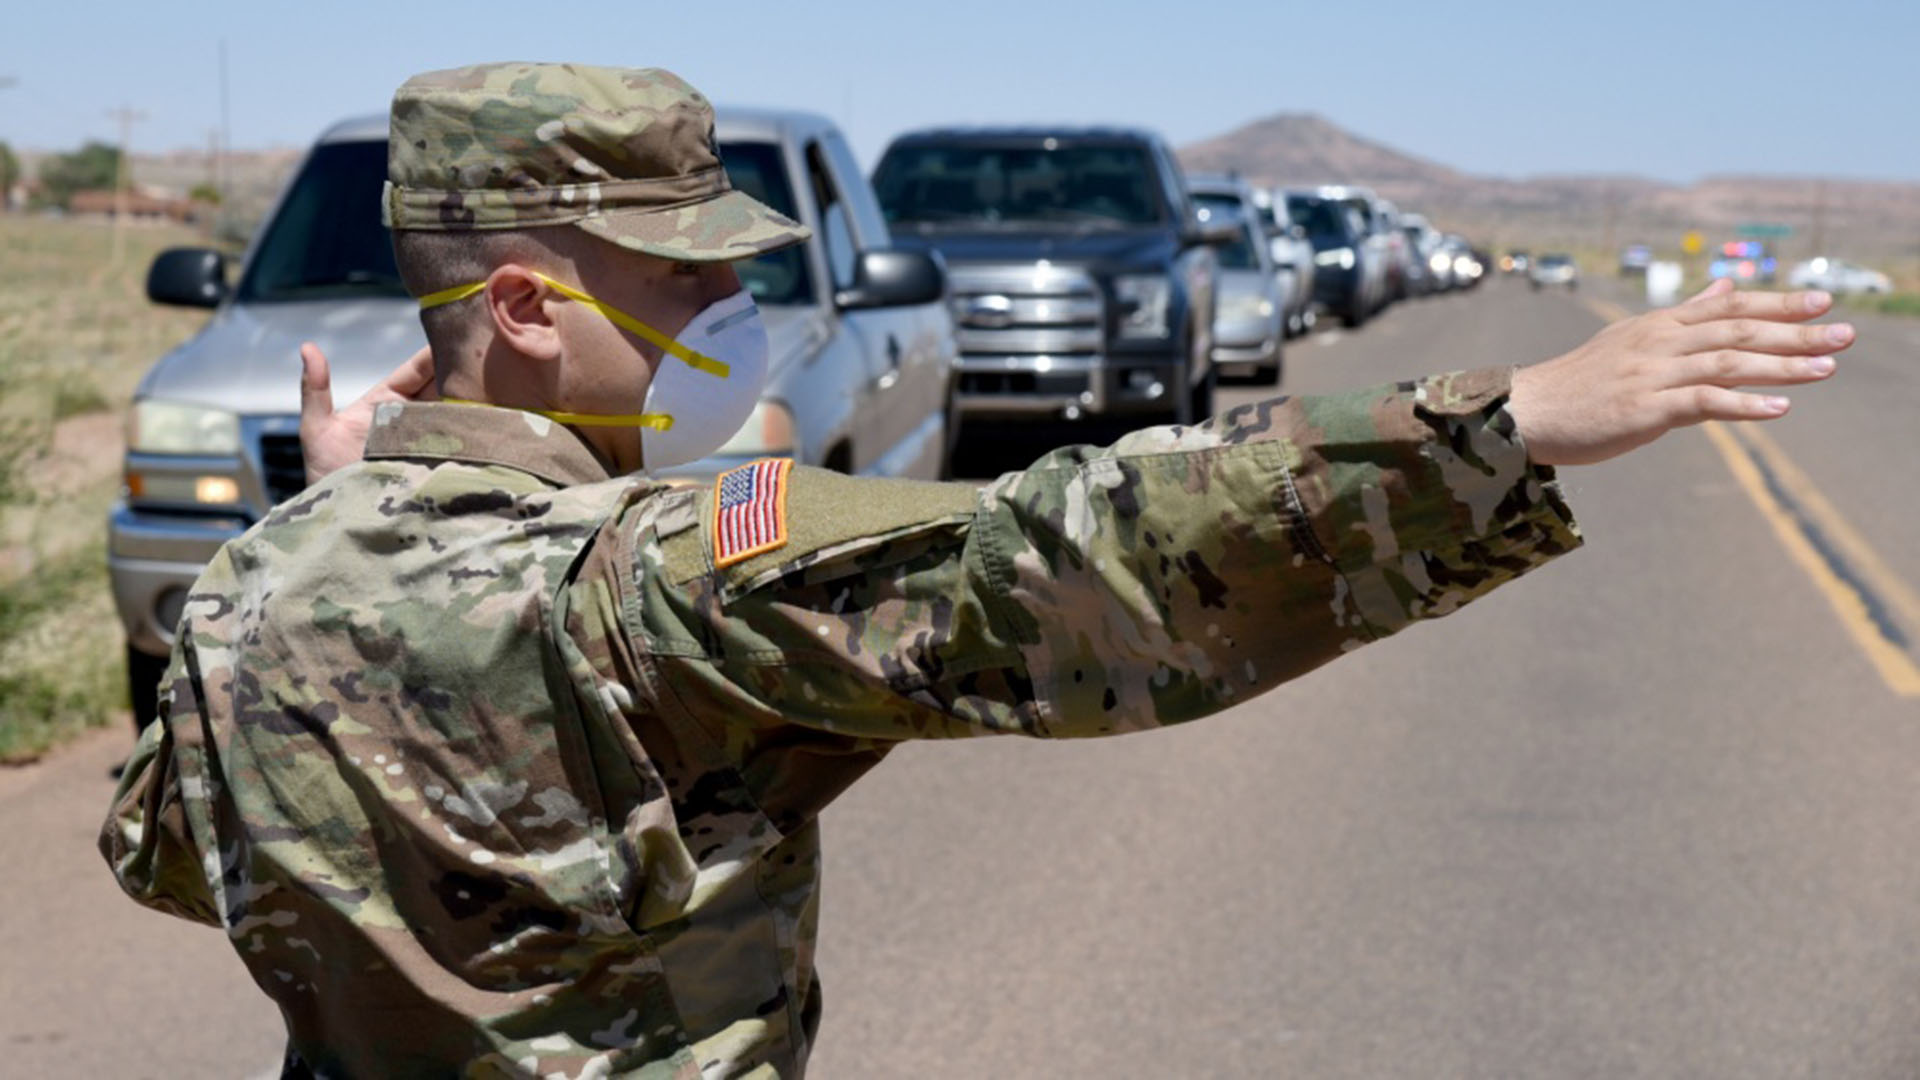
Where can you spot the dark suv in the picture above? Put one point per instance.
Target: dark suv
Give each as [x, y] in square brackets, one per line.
[1083, 280]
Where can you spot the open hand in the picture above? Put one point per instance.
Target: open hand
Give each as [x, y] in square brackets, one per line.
[1642, 377]
[329, 438]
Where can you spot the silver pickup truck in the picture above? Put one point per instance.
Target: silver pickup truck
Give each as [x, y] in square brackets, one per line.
[862, 353]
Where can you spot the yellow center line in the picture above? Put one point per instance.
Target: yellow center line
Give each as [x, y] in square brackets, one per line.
[1863, 590]
[1848, 599]
[1606, 309]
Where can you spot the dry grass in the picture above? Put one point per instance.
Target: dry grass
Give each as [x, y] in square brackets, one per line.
[76, 333]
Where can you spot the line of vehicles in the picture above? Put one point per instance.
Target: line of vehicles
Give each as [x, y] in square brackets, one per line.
[1005, 275]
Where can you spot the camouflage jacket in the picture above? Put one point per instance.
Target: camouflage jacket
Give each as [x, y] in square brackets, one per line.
[483, 764]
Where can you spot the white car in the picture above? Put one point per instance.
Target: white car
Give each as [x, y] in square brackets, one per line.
[1554, 270]
[1836, 276]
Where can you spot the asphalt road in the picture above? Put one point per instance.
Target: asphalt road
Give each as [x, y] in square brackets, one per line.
[1648, 813]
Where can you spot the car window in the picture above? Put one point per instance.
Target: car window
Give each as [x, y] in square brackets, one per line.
[835, 226]
[1093, 185]
[1324, 220]
[326, 240]
[870, 228]
[1238, 255]
[781, 277]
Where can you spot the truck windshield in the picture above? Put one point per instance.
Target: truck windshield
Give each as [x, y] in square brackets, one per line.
[1239, 254]
[327, 241]
[1323, 219]
[780, 278]
[931, 186]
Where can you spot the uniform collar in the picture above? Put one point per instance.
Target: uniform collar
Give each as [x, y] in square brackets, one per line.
[484, 435]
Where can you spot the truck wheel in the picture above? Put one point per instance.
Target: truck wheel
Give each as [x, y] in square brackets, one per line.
[144, 672]
[950, 440]
[1356, 314]
[1200, 398]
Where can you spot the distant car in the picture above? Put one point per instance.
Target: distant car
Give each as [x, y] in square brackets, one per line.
[1554, 270]
[1400, 270]
[1292, 253]
[1836, 276]
[1747, 262]
[1432, 268]
[1635, 259]
[1515, 262]
[1249, 313]
[1349, 261]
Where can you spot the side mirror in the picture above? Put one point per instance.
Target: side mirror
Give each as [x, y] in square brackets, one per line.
[188, 277]
[1217, 232]
[893, 279]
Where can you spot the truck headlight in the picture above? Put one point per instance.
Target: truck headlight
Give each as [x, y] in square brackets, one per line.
[1145, 297]
[768, 432]
[171, 427]
[1246, 306]
[1340, 257]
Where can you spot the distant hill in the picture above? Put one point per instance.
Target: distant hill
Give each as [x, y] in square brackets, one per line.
[1869, 220]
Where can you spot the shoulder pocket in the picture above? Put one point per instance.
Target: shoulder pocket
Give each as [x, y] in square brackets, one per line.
[828, 516]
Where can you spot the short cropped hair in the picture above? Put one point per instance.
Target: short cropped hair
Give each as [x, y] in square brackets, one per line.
[431, 261]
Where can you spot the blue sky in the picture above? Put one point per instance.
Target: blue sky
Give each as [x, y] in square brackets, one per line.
[1674, 90]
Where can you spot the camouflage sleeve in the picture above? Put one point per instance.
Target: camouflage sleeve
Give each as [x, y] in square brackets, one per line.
[148, 838]
[1172, 575]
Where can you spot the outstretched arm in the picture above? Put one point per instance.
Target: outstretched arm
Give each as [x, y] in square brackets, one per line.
[1185, 569]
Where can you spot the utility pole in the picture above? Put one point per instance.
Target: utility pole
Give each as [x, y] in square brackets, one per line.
[126, 116]
[226, 133]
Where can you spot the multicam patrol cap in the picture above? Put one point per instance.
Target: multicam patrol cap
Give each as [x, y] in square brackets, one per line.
[627, 154]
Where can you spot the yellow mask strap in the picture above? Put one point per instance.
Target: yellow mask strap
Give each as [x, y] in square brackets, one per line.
[656, 421]
[698, 361]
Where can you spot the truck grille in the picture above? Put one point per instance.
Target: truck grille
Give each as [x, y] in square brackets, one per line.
[1027, 309]
[283, 471]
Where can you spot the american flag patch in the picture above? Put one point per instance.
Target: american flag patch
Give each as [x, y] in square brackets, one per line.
[750, 510]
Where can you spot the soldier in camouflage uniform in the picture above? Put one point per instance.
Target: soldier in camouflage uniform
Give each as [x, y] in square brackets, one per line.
[493, 756]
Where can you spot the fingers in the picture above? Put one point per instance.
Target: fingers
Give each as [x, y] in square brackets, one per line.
[413, 379]
[1716, 287]
[1732, 367]
[316, 385]
[1727, 303]
[1693, 404]
[1760, 335]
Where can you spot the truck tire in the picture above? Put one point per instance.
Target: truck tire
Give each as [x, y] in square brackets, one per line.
[1356, 314]
[144, 672]
[950, 440]
[1200, 398]
[1269, 374]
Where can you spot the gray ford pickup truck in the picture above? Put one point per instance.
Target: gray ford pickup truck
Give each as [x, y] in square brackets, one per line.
[1083, 278]
[862, 353]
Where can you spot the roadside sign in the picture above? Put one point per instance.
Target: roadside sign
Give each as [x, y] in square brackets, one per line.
[1761, 231]
[1693, 243]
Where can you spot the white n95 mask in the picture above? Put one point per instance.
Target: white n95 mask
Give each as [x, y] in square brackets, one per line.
[706, 385]
[707, 409]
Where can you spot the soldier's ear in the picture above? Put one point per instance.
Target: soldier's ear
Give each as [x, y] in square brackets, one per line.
[521, 307]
